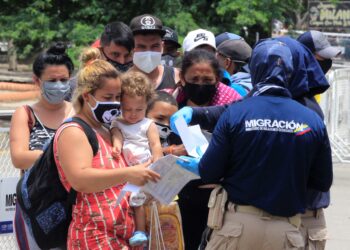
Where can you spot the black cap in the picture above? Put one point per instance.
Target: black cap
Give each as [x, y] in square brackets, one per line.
[146, 23]
[171, 36]
[236, 50]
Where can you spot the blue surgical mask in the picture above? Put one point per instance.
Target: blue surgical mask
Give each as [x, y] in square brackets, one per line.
[105, 112]
[55, 92]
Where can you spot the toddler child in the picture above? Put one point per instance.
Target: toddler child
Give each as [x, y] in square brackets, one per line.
[136, 138]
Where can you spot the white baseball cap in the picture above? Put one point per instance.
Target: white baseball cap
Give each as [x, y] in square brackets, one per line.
[198, 37]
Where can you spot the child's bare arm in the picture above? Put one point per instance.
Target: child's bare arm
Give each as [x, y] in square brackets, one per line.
[117, 141]
[154, 142]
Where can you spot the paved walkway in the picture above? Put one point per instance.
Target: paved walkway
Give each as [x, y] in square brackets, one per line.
[338, 213]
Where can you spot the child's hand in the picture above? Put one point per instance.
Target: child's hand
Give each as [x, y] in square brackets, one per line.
[116, 153]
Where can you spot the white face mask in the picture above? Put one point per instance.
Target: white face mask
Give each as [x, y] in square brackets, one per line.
[147, 60]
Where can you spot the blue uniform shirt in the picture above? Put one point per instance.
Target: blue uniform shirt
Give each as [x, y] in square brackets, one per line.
[266, 151]
[307, 79]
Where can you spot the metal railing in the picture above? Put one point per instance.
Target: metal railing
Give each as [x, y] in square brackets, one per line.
[336, 106]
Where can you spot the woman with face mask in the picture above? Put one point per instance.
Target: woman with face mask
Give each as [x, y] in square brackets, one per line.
[32, 126]
[199, 76]
[98, 222]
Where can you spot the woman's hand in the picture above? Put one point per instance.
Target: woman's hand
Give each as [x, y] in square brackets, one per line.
[139, 175]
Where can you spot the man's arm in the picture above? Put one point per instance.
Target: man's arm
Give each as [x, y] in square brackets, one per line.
[207, 117]
[216, 158]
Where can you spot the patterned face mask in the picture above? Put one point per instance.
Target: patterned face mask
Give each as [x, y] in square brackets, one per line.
[105, 112]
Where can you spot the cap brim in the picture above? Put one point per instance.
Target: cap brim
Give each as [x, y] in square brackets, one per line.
[174, 42]
[156, 31]
[329, 52]
[204, 43]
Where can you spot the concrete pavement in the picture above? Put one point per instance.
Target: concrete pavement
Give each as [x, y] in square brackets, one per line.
[338, 213]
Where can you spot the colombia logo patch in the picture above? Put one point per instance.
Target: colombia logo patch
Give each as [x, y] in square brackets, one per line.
[302, 130]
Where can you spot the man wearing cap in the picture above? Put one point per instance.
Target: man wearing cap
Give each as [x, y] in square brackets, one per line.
[199, 38]
[324, 52]
[233, 56]
[148, 33]
[171, 47]
[313, 225]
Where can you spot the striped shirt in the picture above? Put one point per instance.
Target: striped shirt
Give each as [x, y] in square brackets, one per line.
[96, 222]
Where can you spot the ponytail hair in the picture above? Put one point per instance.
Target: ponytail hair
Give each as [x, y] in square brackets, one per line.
[55, 55]
[92, 74]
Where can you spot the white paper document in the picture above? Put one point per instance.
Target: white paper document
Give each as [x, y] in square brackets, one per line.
[173, 179]
[192, 137]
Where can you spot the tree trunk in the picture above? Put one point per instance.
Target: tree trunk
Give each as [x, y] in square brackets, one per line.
[12, 56]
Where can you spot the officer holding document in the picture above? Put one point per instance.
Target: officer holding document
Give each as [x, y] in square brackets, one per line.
[265, 151]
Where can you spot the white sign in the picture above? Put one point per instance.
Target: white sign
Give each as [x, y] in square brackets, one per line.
[7, 203]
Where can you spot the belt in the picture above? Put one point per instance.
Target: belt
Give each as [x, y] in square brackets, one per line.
[312, 213]
[294, 220]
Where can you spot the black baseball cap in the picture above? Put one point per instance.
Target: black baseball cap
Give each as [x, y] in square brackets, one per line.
[236, 50]
[147, 23]
[171, 36]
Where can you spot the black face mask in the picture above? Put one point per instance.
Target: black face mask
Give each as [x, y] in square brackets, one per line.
[199, 93]
[105, 112]
[118, 66]
[325, 65]
[167, 136]
[164, 130]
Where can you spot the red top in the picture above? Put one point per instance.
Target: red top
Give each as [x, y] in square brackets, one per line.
[96, 222]
[96, 44]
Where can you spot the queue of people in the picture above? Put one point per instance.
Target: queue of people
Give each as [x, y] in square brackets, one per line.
[269, 150]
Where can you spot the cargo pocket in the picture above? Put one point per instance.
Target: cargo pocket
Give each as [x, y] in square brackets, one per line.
[294, 241]
[225, 238]
[317, 238]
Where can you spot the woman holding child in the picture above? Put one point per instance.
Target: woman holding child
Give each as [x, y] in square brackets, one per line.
[97, 220]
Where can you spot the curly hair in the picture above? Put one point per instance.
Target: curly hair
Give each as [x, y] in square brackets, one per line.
[136, 84]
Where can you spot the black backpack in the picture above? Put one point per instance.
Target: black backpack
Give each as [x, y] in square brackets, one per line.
[46, 205]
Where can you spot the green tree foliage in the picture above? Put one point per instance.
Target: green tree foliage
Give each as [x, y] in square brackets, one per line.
[34, 25]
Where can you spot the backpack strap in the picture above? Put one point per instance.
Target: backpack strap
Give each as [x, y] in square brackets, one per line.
[92, 138]
[90, 133]
[30, 114]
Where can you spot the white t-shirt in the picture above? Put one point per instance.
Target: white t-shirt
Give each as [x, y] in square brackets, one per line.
[136, 148]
